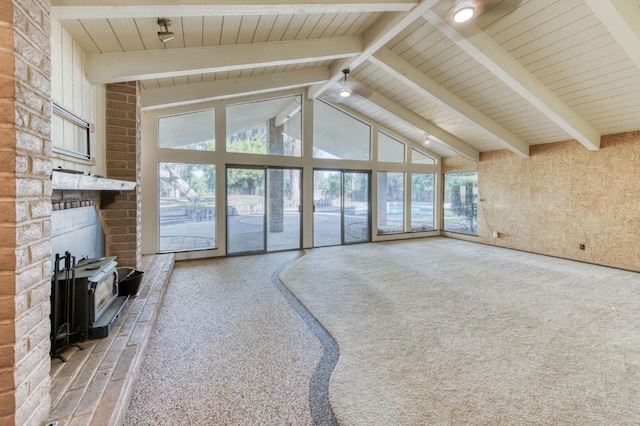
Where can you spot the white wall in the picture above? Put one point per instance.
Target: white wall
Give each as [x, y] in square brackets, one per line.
[71, 90]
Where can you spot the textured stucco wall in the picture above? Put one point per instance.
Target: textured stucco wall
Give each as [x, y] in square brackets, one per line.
[562, 196]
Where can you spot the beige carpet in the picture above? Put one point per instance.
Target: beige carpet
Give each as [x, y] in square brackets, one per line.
[228, 349]
[440, 331]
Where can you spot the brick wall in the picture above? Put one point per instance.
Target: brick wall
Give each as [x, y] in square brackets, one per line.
[122, 218]
[25, 209]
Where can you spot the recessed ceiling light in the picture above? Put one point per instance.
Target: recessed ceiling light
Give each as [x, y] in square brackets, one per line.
[464, 14]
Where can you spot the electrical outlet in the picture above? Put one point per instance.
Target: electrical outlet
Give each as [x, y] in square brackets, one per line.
[582, 246]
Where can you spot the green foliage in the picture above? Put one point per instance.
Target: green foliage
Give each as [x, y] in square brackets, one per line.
[249, 142]
[245, 181]
[461, 195]
[356, 185]
[422, 189]
[209, 145]
[256, 141]
[200, 177]
[329, 184]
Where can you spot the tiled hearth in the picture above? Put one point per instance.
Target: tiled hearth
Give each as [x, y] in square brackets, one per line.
[95, 384]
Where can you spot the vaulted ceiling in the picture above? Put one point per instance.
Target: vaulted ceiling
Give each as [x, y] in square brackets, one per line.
[520, 73]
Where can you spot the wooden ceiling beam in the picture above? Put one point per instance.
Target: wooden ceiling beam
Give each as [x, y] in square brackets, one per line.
[488, 53]
[113, 9]
[440, 135]
[144, 65]
[403, 71]
[294, 107]
[170, 96]
[622, 20]
[387, 27]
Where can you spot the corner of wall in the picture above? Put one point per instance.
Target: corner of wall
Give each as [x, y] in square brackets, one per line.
[563, 200]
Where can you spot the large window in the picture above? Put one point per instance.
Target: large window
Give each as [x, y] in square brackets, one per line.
[187, 206]
[422, 196]
[390, 202]
[418, 157]
[339, 135]
[272, 127]
[262, 165]
[390, 149]
[461, 202]
[194, 130]
[341, 207]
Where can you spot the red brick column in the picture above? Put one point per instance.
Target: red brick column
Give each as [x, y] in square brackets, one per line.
[123, 217]
[25, 209]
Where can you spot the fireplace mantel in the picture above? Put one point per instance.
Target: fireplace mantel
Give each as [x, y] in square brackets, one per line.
[69, 182]
[85, 182]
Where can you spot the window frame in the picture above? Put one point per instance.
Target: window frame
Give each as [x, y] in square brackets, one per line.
[434, 226]
[151, 154]
[474, 213]
[229, 108]
[67, 115]
[403, 197]
[190, 146]
[316, 149]
[391, 139]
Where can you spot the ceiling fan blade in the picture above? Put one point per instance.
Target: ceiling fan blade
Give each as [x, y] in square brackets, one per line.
[359, 88]
[498, 8]
[355, 87]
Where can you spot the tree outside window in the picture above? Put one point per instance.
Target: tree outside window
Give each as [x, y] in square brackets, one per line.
[461, 202]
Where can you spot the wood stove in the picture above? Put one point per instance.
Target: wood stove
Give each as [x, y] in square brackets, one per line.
[85, 302]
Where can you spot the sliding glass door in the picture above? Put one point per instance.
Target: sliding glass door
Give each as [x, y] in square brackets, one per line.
[341, 207]
[263, 209]
[245, 210]
[355, 212]
[284, 209]
[327, 208]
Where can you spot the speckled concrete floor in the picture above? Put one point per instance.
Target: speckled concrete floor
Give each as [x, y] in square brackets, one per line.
[231, 347]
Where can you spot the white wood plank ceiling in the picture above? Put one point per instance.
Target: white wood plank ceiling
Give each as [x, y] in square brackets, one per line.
[520, 73]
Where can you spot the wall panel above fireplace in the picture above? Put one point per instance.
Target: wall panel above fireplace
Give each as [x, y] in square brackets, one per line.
[77, 231]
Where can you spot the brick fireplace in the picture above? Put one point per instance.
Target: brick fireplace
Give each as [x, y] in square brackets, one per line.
[27, 199]
[118, 207]
[122, 217]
